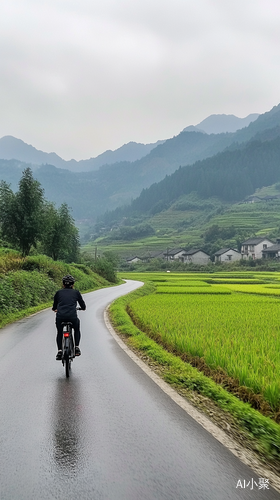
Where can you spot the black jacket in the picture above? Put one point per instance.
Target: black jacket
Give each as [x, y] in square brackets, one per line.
[65, 302]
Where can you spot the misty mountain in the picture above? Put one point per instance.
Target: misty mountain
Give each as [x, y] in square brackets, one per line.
[15, 149]
[131, 152]
[12, 148]
[216, 124]
[94, 192]
[184, 149]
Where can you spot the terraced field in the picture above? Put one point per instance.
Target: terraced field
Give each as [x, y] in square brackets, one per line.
[254, 217]
[185, 228]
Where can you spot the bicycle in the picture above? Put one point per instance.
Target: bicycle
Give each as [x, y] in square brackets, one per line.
[68, 350]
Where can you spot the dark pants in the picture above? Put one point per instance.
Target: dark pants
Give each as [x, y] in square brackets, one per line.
[76, 325]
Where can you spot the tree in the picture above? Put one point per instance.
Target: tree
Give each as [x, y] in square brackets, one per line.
[7, 203]
[21, 212]
[61, 237]
[105, 266]
[26, 218]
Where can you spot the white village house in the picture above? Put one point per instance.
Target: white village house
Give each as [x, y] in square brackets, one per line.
[253, 247]
[174, 254]
[227, 255]
[196, 256]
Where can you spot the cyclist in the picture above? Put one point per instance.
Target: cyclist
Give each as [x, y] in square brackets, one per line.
[65, 306]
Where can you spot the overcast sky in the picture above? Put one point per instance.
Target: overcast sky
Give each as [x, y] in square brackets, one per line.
[79, 77]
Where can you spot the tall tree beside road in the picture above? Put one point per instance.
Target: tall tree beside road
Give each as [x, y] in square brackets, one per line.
[26, 218]
[60, 238]
[21, 212]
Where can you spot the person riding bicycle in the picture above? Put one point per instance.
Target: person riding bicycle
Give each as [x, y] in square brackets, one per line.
[65, 306]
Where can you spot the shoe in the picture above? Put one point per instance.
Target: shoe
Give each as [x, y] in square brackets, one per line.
[77, 351]
[59, 356]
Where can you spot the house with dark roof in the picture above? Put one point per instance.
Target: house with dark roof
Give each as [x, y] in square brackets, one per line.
[174, 254]
[134, 259]
[227, 255]
[252, 199]
[253, 247]
[272, 252]
[196, 256]
[153, 255]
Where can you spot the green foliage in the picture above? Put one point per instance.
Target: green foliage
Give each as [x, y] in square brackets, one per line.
[105, 265]
[215, 232]
[60, 238]
[21, 213]
[23, 289]
[26, 219]
[28, 283]
[127, 233]
[105, 268]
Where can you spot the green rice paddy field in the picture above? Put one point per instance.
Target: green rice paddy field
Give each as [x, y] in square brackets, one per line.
[231, 320]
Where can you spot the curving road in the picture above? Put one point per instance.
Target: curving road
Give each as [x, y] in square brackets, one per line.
[106, 433]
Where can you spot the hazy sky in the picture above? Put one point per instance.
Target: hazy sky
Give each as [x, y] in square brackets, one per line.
[82, 76]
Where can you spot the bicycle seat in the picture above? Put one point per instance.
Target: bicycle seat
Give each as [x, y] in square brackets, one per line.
[64, 323]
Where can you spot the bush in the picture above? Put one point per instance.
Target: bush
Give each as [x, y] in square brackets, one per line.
[23, 289]
[31, 281]
[106, 269]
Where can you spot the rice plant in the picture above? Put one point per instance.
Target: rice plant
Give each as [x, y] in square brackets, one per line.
[238, 332]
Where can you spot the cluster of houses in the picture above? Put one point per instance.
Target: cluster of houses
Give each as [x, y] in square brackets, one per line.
[253, 248]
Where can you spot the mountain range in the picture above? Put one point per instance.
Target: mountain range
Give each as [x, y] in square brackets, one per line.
[91, 193]
[12, 148]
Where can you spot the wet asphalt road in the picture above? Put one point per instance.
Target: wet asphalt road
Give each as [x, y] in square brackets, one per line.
[106, 433]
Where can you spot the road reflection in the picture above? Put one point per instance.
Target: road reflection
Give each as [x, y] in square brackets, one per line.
[67, 424]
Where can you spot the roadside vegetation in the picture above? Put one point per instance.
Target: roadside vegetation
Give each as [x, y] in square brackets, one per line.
[29, 221]
[210, 337]
[39, 244]
[28, 284]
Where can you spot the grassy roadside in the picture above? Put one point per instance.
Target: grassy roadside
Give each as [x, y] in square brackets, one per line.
[23, 313]
[27, 285]
[255, 431]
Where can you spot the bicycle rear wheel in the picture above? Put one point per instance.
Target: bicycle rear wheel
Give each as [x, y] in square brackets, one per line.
[67, 362]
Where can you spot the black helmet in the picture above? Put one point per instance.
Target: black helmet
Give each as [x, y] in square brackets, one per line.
[68, 280]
